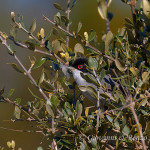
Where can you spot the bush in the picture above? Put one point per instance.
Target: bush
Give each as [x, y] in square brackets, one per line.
[124, 123]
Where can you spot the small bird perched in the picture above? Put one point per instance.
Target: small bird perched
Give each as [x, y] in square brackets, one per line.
[87, 83]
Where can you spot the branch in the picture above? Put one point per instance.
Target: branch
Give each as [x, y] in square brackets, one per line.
[86, 44]
[23, 67]
[68, 15]
[138, 125]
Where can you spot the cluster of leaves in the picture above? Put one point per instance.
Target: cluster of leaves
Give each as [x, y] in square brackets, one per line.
[126, 56]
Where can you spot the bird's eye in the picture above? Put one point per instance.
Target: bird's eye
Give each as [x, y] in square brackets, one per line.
[80, 67]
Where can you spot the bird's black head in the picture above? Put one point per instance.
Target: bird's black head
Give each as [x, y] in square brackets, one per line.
[81, 64]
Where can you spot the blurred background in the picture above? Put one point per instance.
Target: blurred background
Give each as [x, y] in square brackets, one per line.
[84, 11]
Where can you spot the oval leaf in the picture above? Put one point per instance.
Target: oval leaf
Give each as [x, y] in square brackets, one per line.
[33, 26]
[15, 67]
[119, 66]
[78, 48]
[39, 63]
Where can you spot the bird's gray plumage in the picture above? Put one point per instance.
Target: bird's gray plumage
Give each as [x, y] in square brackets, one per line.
[86, 86]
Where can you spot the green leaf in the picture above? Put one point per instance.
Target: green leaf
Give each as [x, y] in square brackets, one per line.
[42, 77]
[18, 101]
[30, 45]
[33, 26]
[145, 77]
[13, 32]
[57, 18]
[39, 63]
[15, 67]
[89, 78]
[17, 112]
[134, 70]
[79, 27]
[54, 100]
[79, 109]
[58, 6]
[102, 74]
[49, 110]
[108, 40]
[93, 64]
[68, 108]
[90, 89]
[34, 94]
[92, 35]
[119, 66]
[11, 91]
[48, 35]
[78, 48]
[64, 19]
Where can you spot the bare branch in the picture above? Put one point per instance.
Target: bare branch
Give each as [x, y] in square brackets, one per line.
[138, 125]
[25, 70]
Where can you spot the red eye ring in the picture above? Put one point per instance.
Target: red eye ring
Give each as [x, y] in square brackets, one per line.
[80, 67]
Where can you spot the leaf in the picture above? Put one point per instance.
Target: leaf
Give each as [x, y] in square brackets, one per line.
[89, 89]
[146, 7]
[39, 148]
[64, 19]
[42, 78]
[10, 93]
[56, 45]
[15, 67]
[58, 6]
[93, 64]
[33, 26]
[49, 110]
[13, 32]
[48, 35]
[145, 77]
[57, 18]
[128, 20]
[102, 8]
[79, 27]
[119, 66]
[42, 33]
[78, 48]
[17, 112]
[134, 70]
[126, 129]
[92, 35]
[39, 63]
[89, 78]
[54, 100]
[79, 109]
[68, 108]
[30, 45]
[102, 75]
[108, 40]
[33, 94]
[86, 111]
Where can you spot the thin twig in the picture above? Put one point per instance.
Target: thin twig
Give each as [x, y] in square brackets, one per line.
[73, 36]
[68, 16]
[27, 131]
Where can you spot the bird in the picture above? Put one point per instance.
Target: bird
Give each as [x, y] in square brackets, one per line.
[87, 82]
